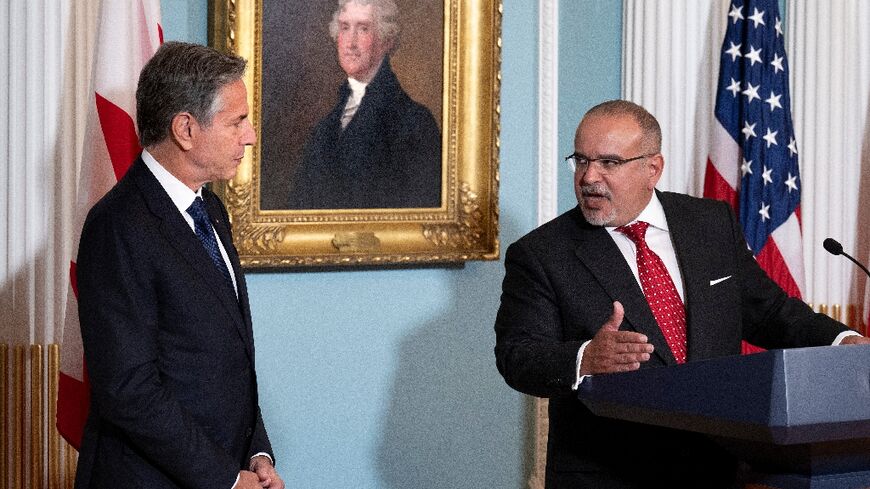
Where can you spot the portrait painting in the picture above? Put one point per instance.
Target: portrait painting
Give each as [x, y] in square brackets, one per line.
[377, 125]
[388, 153]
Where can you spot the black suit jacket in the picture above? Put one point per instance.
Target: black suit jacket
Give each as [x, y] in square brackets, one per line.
[388, 156]
[561, 280]
[169, 349]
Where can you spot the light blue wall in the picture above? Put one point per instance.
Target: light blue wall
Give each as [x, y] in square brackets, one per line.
[386, 379]
[590, 71]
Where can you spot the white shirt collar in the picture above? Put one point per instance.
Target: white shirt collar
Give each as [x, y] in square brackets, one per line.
[357, 87]
[653, 213]
[180, 193]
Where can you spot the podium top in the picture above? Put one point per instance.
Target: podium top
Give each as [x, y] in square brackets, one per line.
[784, 397]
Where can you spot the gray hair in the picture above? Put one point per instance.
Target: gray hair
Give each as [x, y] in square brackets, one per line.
[182, 77]
[386, 15]
[652, 132]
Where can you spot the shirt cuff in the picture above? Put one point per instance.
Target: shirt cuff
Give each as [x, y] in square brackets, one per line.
[271, 460]
[264, 454]
[579, 378]
[839, 338]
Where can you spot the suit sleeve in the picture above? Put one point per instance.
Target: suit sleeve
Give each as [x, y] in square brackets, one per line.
[118, 313]
[770, 318]
[530, 351]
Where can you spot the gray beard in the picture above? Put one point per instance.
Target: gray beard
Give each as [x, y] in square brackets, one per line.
[596, 218]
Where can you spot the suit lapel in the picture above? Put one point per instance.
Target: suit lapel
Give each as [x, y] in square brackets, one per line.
[691, 254]
[596, 249]
[223, 232]
[178, 234]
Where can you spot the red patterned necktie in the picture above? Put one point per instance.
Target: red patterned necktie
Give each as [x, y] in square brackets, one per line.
[659, 289]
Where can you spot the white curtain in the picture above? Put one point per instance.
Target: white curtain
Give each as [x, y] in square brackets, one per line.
[670, 66]
[44, 73]
[829, 47]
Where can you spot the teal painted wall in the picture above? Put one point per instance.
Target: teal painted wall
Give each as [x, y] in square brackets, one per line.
[387, 379]
[590, 71]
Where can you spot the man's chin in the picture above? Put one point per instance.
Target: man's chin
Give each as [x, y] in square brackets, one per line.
[598, 217]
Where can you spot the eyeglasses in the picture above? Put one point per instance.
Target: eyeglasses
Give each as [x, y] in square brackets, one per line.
[578, 162]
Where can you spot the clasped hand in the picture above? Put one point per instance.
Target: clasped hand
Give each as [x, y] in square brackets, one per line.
[612, 350]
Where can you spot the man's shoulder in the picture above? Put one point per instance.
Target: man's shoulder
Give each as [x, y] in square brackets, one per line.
[683, 205]
[562, 227]
[125, 200]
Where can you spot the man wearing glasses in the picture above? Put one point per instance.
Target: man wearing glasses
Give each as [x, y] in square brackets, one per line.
[635, 278]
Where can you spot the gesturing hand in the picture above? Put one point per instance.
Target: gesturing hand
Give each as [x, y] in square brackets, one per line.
[612, 350]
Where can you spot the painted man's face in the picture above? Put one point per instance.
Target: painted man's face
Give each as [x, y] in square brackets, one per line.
[360, 47]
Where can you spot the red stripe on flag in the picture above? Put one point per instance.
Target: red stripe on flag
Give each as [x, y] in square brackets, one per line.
[73, 407]
[160, 32]
[120, 134]
[73, 280]
[716, 187]
[773, 263]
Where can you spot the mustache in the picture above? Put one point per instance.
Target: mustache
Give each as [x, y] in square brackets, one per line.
[596, 190]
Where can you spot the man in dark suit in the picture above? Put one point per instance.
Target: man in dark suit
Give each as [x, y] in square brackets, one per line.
[575, 303]
[163, 305]
[377, 148]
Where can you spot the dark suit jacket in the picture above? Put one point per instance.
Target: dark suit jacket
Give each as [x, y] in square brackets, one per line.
[169, 349]
[388, 156]
[561, 280]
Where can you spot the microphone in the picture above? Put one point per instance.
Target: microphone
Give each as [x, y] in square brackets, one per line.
[835, 248]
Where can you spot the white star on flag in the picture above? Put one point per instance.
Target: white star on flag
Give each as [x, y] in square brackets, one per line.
[746, 167]
[765, 175]
[754, 55]
[792, 147]
[757, 17]
[791, 182]
[764, 212]
[735, 14]
[777, 63]
[734, 51]
[778, 27]
[734, 87]
[773, 100]
[751, 92]
[749, 130]
[770, 137]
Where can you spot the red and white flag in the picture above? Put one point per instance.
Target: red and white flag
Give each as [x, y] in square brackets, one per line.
[129, 34]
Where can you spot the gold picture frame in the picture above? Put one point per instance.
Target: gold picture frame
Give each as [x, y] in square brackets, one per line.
[464, 227]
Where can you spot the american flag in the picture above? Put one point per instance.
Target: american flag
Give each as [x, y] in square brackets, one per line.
[753, 163]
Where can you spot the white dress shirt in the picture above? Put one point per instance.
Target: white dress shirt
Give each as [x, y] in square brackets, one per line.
[182, 196]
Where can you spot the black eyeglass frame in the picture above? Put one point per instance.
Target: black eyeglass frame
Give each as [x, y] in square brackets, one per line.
[607, 164]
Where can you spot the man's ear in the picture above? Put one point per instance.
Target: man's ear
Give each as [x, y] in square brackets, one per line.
[655, 165]
[184, 130]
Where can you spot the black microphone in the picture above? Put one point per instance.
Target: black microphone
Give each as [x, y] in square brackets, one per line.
[835, 248]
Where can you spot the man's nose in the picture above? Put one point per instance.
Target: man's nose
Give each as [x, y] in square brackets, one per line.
[249, 136]
[591, 174]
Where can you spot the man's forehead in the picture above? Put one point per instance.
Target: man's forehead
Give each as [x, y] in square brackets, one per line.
[353, 11]
[622, 126]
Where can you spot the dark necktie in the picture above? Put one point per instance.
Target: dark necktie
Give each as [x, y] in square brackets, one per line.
[206, 236]
[659, 289]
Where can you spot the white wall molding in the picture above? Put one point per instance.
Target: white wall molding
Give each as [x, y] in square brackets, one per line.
[548, 109]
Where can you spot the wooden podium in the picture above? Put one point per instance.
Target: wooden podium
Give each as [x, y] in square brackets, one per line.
[799, 417]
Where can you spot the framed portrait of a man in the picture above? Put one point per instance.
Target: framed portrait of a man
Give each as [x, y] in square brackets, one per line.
[377, 125]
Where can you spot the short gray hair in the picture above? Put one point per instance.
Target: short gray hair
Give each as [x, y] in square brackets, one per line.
[386, 15]
[649, 126]
[182, 77]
